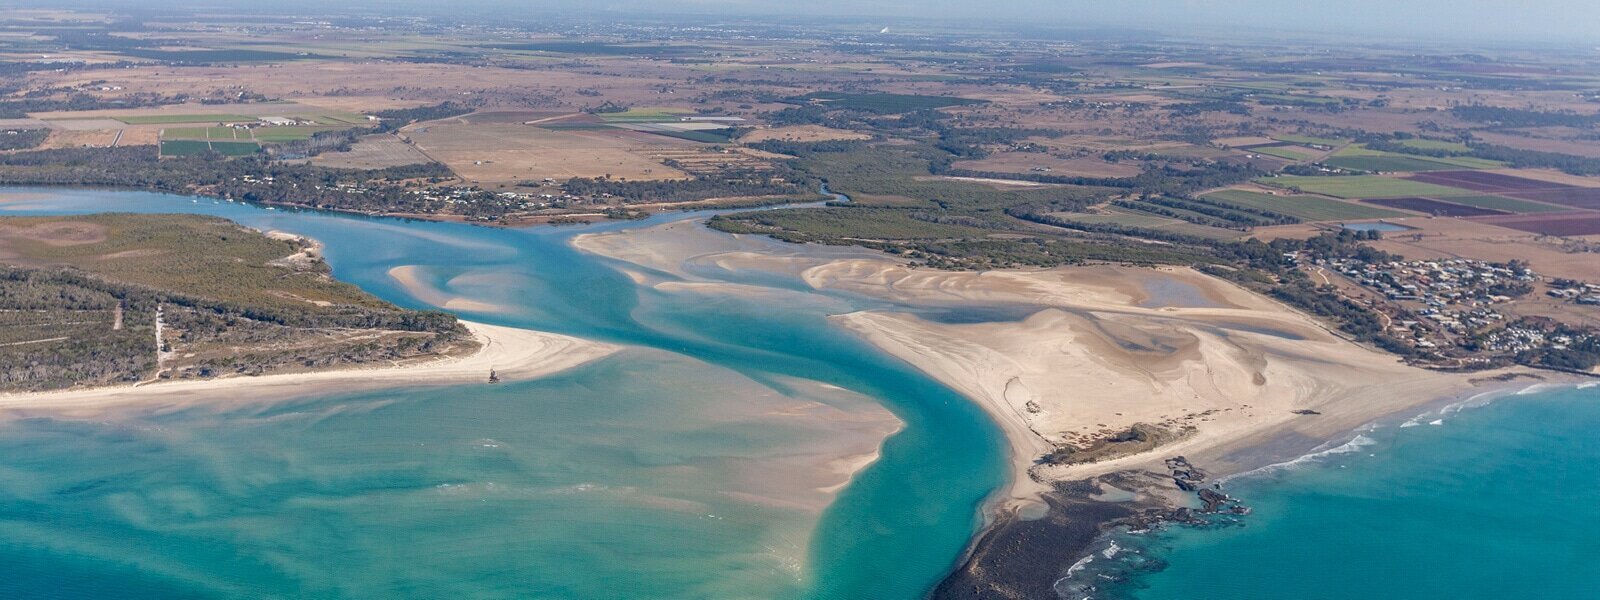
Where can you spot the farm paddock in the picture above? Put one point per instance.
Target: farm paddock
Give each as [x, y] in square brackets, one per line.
[498, 154]
[1483, 181]
[375, 151]
[1566, 224]
[1429, 206]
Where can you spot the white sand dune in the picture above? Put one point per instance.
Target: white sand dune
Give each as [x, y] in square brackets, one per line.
[1222, 368]
[1095, 362]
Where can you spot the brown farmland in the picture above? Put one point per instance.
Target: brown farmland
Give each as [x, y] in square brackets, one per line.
[802, 133]
[1567, 224]
[1482, 181]
[497, 153]
[1575, 197]
[373, 152]
[1550, 192]
[1434, 207]
[1025, 163]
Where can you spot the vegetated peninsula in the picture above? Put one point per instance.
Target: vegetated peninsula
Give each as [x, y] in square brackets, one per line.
[112, 299]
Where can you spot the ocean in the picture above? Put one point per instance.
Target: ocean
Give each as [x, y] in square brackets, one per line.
[1476, 501]
[670, 470]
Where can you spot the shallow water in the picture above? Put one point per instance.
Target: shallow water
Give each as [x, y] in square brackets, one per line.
[1488, 502]
[673, 470]
[1172, 292]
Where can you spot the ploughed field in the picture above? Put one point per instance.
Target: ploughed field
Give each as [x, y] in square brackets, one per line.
[1481, 181]
[1578, 222]
[1309, 208]
[1517, 187]
[1435, 207]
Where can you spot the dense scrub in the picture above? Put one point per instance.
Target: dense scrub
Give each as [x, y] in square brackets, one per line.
[85, 312]
[22, 139]
[726, 185]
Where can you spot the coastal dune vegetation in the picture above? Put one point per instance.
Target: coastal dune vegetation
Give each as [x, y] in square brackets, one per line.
[120, 298]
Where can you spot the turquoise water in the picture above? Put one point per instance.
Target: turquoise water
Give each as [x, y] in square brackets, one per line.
[661, 472]
[1489, 502]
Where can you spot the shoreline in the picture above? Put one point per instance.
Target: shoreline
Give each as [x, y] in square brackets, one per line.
[510, 221]
[1275, 386]
[1231, 381]
[1021, 491]
[1092, 366]
[1016, 555]
[515, 354]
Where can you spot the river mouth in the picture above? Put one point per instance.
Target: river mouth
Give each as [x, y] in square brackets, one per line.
[717, 458]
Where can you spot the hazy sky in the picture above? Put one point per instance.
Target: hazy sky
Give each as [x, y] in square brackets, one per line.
[1522, 19]
[1552, 20]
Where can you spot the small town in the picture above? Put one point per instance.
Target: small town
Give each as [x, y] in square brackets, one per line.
[1464, 313]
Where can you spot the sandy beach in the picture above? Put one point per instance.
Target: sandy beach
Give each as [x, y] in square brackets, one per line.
[1227, 377]
[1219, 370]
[515, 354]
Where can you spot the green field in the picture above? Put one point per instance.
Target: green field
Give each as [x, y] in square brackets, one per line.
[644, 115]
[177, 119]
[1296, 100]
[1309, 208]
[1149, 221]
[193, 147]
[1387, 164]
[1436, 145]
[289, 133]
[1260, 86]
[339, 119]
[598, 48]
[1468, 162]
[1306, 139]
[214, 56]
[886, 103]
[1361, 158]
[204, 133]
[1289, 152]
[1361, 186]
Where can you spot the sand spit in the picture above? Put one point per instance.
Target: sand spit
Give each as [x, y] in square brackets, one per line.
[681, 248]
[1218, 371]
[1097, 358]
[410, 278]
[515, 354]
[843, 433]
[850, 428]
